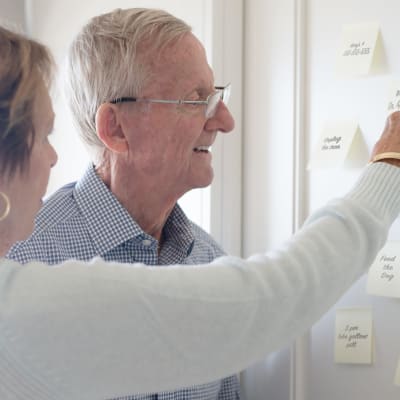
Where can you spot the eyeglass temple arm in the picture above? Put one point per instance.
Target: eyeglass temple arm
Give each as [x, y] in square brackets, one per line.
[123, 100]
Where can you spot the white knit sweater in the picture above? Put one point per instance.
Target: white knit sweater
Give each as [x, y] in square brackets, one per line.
[99, 330]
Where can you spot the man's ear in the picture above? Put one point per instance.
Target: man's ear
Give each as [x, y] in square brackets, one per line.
[109, 129]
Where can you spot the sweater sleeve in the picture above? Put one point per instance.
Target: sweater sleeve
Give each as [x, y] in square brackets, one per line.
[102, 330]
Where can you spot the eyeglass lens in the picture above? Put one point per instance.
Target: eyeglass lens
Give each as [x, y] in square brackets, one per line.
[215, 99]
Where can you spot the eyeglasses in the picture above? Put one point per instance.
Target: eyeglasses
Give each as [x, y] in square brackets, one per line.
[222, 93]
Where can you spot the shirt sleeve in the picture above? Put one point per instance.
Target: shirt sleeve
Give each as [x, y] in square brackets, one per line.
[103, 330]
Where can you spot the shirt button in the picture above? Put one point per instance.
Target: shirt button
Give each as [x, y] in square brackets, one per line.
[146, 242]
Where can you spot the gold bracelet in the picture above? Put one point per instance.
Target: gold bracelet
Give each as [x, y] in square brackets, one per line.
[385, 156]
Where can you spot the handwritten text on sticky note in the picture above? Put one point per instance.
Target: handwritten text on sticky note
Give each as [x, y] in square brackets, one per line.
[384, 273]
[334, 144]
[357, 49]
[353, 336]
[394, 96]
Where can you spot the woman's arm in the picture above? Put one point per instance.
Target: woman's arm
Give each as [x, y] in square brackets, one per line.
[101, 330]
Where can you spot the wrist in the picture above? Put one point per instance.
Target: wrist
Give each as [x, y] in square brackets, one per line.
[389, 157]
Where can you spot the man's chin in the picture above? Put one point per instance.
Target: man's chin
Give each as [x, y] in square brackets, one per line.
[204, 182]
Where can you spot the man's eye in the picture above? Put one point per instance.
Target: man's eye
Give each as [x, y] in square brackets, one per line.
[200, 95]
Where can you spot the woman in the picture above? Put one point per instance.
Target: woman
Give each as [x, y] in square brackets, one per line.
[98, 330]
[26, 121]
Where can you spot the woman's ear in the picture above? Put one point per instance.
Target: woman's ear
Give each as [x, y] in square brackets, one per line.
[109, 129]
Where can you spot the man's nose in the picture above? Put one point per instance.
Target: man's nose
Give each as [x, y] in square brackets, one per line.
[222, 120]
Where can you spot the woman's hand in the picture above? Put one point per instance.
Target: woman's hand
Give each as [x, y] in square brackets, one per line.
[389, 142]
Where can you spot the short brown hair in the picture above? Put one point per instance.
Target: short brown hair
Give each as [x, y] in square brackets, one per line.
[24, 65]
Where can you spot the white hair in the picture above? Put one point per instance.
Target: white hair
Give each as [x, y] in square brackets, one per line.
[107, 60]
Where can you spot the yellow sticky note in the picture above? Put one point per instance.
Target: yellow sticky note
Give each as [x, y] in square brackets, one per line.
[397, 375]
[394, 96]
[339, 144]
[357, 48]
[353, 336]
[384, 273]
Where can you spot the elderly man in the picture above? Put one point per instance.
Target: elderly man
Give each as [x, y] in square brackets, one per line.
[143, 95]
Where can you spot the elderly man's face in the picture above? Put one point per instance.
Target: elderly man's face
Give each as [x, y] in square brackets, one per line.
[169, 143]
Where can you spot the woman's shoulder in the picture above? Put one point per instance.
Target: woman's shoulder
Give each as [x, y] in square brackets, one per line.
[7, 263]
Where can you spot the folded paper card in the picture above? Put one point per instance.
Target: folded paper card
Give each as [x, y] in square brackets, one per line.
[394, 96]
[360, 50]
[339, 145]
[353, 336]
[384, 273]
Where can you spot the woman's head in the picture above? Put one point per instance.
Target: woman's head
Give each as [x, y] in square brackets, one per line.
[25, 66]
[26, 118]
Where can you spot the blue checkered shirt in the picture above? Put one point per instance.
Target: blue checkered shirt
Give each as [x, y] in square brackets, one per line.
[84, 219]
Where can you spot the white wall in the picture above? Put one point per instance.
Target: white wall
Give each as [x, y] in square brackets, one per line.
[363, 99]
[227, 62]
[268, 158]
[14, 12]
[288, 98]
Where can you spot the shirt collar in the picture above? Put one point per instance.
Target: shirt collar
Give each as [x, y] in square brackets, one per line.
[108, 222]
[178, 231]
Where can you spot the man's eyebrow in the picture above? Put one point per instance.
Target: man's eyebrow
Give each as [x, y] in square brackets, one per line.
[202, 91]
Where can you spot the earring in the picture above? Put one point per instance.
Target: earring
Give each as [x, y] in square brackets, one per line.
[7, 206]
